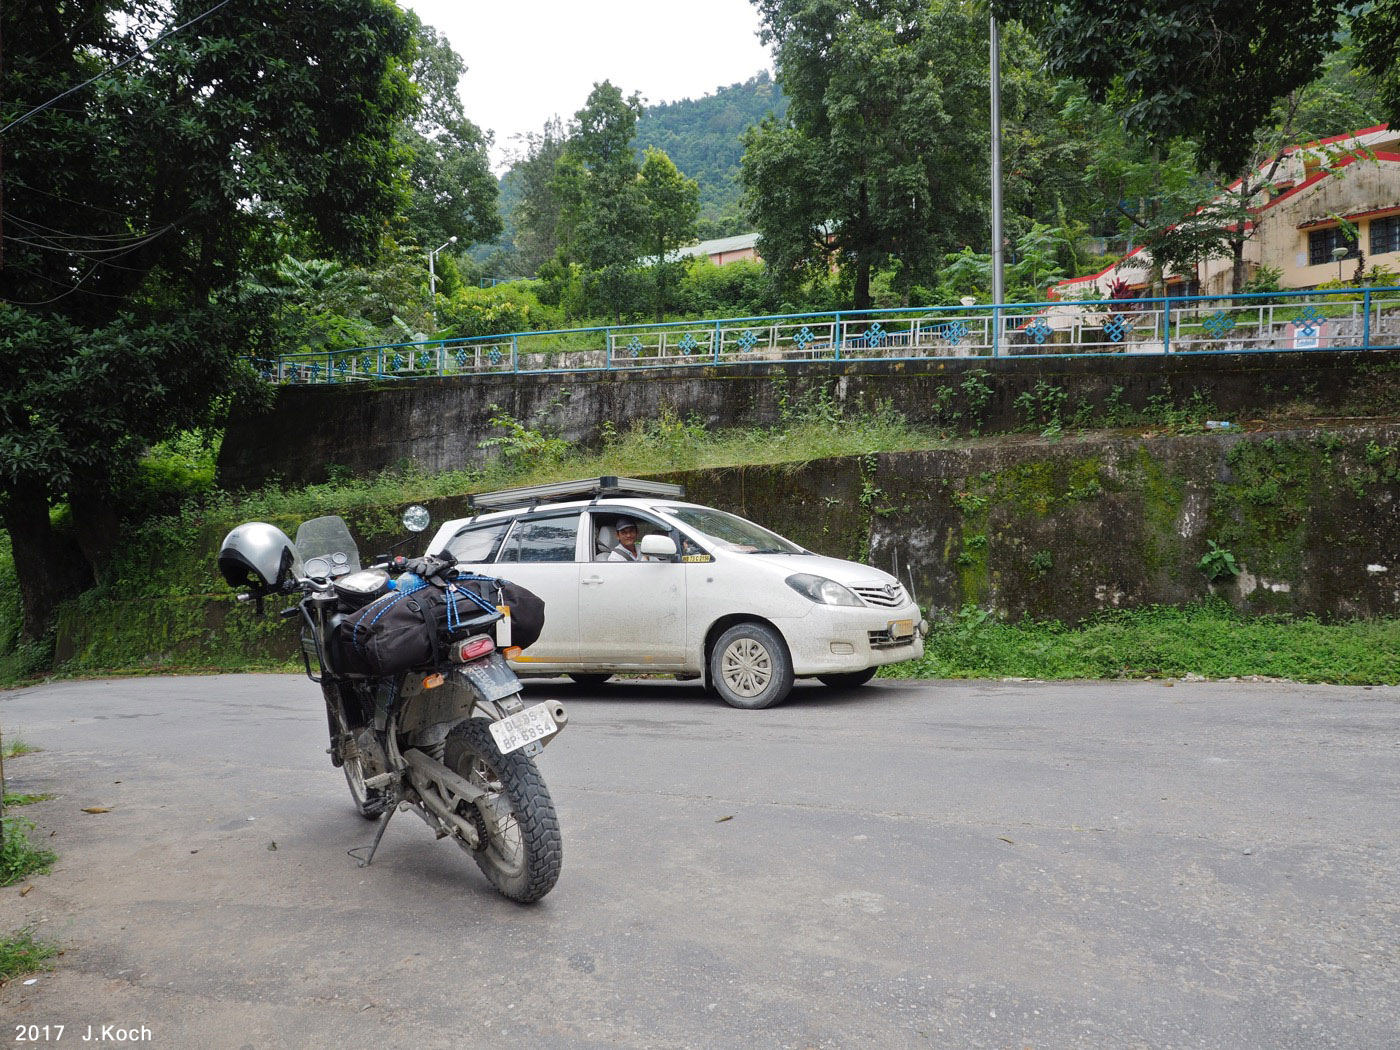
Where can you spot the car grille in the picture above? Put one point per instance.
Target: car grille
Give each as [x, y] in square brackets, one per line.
[882, 640]
[877, 595]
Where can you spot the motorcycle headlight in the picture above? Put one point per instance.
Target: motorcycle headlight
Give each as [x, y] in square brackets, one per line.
[821, 590]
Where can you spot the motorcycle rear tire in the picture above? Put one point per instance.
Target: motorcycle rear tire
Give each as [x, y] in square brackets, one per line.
[523, 856]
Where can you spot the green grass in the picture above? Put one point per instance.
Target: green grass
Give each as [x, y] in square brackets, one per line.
[15, 746]
[21, 954]
[14, 799]
[1210, 640]
[812, 428]
[20, 858]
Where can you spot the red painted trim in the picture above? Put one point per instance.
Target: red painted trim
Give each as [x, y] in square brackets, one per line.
[1340, 138]
[1318, 224]
[1311, 145]
[1096, 276]
[1377, 213]
[1384, 155]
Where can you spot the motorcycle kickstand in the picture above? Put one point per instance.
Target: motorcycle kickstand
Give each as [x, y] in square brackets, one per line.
[389, 811]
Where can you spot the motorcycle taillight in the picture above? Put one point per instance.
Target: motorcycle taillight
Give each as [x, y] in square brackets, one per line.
[473, 649]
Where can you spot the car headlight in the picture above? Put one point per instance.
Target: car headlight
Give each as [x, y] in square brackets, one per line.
[821, 590]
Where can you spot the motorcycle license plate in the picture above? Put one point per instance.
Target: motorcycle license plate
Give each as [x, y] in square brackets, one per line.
[901, 628]
[523, 727]
[492, 678]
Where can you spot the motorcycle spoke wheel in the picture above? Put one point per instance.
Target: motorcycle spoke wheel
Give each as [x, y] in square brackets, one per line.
[369, 802]
[501, 832]
[521, 850]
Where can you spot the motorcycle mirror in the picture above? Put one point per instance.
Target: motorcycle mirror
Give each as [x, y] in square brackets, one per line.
[416, 518]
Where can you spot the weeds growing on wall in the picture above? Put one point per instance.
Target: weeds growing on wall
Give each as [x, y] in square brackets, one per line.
[1209, 640]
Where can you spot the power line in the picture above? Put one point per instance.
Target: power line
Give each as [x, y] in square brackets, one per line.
[107, 72]
[134, 241]
[79, 286]
[70, 200]
[64, 284]
[40, 230]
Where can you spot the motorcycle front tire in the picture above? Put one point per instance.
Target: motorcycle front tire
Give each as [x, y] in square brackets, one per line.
[522, 851]
[369, 802]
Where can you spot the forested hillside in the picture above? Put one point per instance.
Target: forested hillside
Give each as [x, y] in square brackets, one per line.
[704, 137]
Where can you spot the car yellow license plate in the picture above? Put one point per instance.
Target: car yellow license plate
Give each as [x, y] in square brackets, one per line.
[901, 628]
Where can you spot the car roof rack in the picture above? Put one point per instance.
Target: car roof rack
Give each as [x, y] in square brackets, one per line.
[595, 488]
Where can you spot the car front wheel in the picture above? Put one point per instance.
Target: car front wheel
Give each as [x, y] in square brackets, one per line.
[750, 667]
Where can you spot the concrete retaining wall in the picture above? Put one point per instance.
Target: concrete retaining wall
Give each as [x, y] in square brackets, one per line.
[438, 424]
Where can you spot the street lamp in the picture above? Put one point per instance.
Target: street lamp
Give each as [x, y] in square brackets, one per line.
[432, 275]
[1339, 253]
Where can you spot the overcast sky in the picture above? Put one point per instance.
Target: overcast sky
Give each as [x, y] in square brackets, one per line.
[527, 61]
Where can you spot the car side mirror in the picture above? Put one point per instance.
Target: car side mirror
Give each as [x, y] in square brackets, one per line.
[658, 545]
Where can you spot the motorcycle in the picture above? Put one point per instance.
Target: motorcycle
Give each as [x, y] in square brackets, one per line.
[451, 740]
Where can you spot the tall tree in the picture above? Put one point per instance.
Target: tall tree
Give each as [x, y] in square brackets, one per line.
[142, 175]
[883, 156]
[1211, 71]
[1377, 32]
[453, 193]
[536, 215]
[670, 207]
[600, 217]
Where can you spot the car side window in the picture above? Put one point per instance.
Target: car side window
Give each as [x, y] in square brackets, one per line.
[475, 545]
[604, 531]
[542, 540]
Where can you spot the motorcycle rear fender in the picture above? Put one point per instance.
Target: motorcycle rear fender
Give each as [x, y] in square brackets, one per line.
[421, 707]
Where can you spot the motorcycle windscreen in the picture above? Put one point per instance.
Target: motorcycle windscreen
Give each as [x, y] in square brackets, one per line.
[327, 542]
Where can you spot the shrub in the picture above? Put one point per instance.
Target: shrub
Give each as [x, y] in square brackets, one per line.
[513, 307]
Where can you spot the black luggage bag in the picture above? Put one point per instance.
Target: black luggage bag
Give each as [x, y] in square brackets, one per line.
[412, 627]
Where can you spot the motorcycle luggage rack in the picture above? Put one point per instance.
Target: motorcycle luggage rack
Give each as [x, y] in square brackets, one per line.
[586, 488]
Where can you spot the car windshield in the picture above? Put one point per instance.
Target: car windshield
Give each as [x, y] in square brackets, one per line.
[731, 532]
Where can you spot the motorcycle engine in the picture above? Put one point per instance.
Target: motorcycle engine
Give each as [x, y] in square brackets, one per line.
[373, 761]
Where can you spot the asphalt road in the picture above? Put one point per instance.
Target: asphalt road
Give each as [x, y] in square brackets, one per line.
[1000, 865]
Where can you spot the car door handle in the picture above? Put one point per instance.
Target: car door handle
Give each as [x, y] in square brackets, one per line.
[592, 581]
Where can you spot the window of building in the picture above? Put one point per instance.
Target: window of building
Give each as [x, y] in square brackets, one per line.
[1385, 235]
[1321, 244]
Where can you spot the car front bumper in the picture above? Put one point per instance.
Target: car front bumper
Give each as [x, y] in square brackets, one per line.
[840, 639]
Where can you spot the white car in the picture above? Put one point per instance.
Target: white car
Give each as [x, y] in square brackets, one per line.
[710, 595]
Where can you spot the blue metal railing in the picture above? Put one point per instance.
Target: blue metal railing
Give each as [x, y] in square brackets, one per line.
[1344, 318]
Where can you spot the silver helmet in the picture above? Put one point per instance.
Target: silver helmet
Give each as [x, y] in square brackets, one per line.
[260, 557]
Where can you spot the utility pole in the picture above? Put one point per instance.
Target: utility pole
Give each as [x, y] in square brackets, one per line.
[998, 286]
[2, 171]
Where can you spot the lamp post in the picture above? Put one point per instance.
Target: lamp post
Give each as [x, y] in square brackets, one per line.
[432, 275]
[1339, 253]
